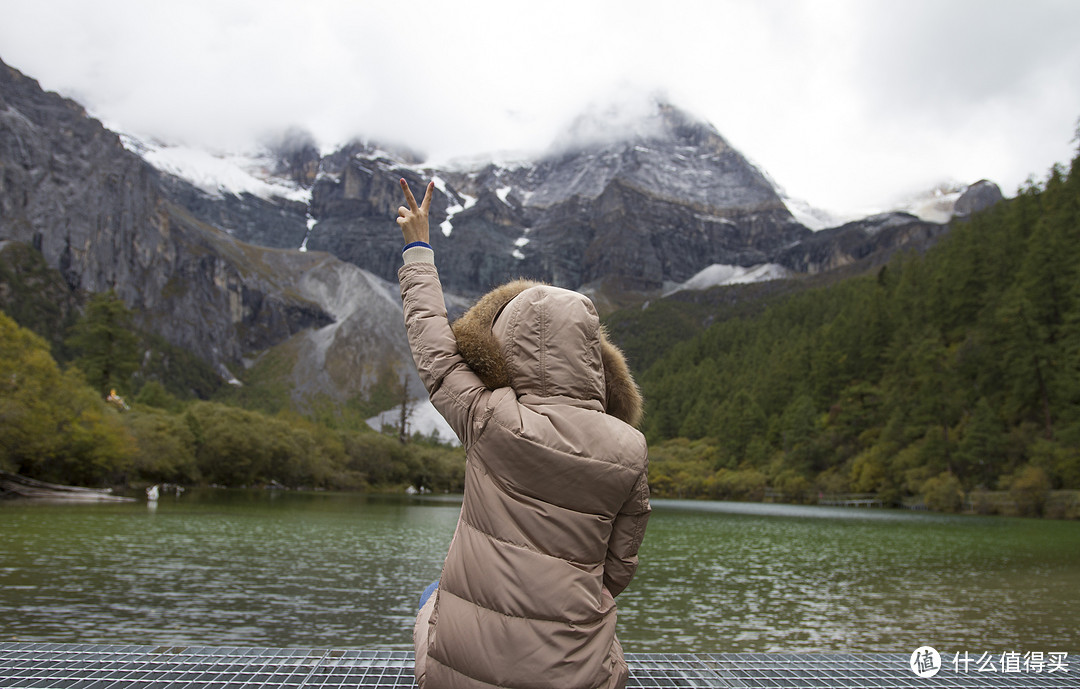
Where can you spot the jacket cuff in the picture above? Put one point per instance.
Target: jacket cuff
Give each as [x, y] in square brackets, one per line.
[418, 254]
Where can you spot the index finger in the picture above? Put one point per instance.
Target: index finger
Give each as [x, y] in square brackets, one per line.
[408, 196]
[426, 203]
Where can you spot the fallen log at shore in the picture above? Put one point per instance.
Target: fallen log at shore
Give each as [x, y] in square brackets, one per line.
[14, 485]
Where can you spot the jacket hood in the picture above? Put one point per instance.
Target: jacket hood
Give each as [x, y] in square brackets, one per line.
[547, 341]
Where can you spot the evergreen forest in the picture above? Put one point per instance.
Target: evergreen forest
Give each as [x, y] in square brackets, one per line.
[948, 380]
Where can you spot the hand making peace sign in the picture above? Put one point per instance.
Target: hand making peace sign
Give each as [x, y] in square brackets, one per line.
[414, 219]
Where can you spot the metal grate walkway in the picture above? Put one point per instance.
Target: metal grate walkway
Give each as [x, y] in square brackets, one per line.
[76, 666]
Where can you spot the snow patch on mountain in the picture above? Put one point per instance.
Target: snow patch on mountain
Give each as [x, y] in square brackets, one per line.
[520, 243]
[218, 173]
[447, 226]
[718, 275]
[935, 203]
[812, 217]
[311, 222]
[936, 206]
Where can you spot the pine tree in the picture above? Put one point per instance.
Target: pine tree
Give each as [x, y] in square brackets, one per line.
[105, 344]
[981, 452]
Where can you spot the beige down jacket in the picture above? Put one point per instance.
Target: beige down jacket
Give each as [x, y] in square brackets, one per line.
[556, 498]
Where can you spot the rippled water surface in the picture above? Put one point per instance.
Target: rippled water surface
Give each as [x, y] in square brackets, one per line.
[334, 570]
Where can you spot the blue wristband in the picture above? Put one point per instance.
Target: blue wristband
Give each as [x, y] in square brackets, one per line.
[412, 244]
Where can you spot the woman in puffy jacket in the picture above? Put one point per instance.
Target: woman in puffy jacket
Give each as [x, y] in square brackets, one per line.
[556, 497]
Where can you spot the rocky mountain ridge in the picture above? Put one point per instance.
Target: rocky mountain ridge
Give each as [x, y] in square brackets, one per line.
[102, 217]
[634, 214]
[210, 260]
[624, 219]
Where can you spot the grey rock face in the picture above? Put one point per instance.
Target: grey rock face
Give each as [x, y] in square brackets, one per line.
[279, 224]
[65, 178]
[637, 212]
[878, 235]
[98, 213]
[355, 212]
[673, 158]
[979, 196]
[652, 210]
[297, 157]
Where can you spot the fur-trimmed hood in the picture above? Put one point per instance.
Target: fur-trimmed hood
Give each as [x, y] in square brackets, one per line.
[547, 341]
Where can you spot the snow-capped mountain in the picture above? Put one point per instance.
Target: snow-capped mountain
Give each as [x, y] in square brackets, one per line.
[206, 247]
[619, 211]
[639, 211]
[218, 174]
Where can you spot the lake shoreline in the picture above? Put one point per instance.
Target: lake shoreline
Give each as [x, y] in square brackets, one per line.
[1056, 505]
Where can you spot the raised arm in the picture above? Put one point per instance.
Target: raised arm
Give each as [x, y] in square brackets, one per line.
[454, 389]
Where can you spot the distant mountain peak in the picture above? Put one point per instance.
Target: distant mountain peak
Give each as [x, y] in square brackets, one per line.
[657, 149]
[635, 120]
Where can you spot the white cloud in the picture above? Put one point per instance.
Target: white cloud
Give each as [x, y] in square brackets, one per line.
[847, 103]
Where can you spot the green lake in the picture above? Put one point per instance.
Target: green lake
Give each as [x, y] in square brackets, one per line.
[268, 568]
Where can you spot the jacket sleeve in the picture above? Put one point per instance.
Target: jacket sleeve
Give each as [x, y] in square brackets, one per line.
[626, 535]
[454, 389]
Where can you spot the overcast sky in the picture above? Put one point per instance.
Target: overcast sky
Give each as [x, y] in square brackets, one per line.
[849, 104]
